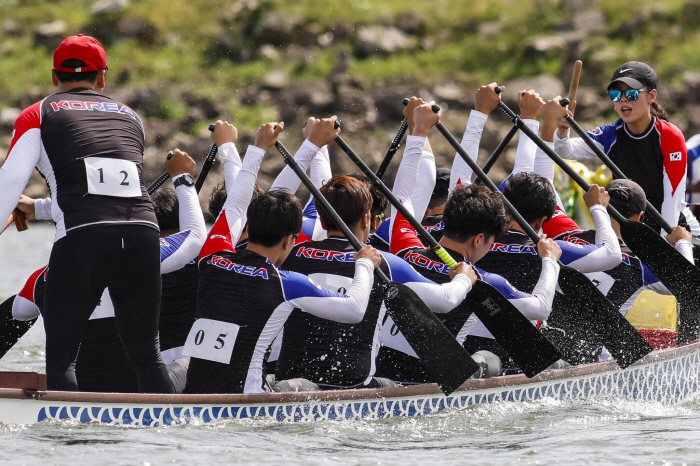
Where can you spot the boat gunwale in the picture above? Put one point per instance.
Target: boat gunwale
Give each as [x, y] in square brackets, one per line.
[340, 395]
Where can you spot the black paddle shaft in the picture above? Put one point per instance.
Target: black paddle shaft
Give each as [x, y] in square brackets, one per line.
[153, 187]
[650, 209]
[499, 150]
[444, 359]
[529, 349]
[393, 147]
[206, 166]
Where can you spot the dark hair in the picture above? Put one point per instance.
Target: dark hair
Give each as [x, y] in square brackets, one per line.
[379, 200]
[217, 198]
[473, 209]
[437, 199]
[166, 207]
[531, 195]
[348, 196]
[65, 77]
[272, 216]
[657, 110]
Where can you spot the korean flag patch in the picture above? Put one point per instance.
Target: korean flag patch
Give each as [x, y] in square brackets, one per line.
[676, 156]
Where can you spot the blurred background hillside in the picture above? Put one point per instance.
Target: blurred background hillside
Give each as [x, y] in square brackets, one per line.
[183, 64]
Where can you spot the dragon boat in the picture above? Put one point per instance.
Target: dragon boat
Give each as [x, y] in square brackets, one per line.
[667, 376]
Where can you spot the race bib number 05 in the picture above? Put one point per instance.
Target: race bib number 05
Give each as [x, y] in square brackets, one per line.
[112, 177]
[212, 340]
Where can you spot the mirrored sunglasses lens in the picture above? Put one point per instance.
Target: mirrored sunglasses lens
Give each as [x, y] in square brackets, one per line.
[615, 95]
[632, 94]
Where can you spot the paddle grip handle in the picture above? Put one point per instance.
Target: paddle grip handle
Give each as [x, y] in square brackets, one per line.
[212, 127]
[498, 89]
[20, 220]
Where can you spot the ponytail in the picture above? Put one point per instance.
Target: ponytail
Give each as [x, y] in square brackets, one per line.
[658, 111]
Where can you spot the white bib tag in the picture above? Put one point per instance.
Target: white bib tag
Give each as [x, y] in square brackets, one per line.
[112, 177]
[601, 280]
[212, 340]
[391, 337]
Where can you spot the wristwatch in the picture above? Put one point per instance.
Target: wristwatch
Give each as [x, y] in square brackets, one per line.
[185, 179]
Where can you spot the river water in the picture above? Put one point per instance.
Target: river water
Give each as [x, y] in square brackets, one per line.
[601, 431]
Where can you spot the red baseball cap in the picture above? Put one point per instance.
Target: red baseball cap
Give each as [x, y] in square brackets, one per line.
[80, 47]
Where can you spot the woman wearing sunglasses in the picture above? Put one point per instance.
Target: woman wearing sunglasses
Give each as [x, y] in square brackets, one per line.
[642, 143]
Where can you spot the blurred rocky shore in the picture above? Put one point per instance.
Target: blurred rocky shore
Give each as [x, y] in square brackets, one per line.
[370, 109]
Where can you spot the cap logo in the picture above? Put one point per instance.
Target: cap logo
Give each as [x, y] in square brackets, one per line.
[625, 70]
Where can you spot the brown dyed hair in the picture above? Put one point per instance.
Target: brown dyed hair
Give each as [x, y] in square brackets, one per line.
[348, 196]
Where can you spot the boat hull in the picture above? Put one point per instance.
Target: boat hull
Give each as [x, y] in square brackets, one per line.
[666, 377]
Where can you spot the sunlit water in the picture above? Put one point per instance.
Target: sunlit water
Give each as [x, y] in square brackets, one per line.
[601, 431]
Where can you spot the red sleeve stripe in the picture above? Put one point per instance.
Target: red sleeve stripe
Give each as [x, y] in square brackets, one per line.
[219, 238]
[28, 290]
[403, 235]
[30, 118]
[674, 152]
[559, 224]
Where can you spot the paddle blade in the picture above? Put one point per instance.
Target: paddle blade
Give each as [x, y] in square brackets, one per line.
[678, 275]
[11, 330]
[530, 350]
[621, 339]
[447, 362]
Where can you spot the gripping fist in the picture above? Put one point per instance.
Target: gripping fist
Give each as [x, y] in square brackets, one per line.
[530, 104]
[180, 163]
[323, 131]
[464, 269]
[424, 118]
[486, 99]
[408, 111]
[368, 252]
[224, 132]
[547, 247]
[268, 134]
[596, 196]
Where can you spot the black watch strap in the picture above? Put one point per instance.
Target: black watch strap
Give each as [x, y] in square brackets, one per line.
[185, 179]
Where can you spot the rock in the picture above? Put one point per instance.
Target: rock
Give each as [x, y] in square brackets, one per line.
[138, 27]
[693, 112]
[276, 79]
[326, 39]
[547, 85]
[108, 6]
[352, 100]
[158, 131]
[451, 94]
[206, 105]
[316, 95]
[11, 28]
[591, 21]
[490, 28]
[146, 101]
[269, 51]
[279, 28]
[50, 34]
[412, 23]
[382, 40]
[8, 117]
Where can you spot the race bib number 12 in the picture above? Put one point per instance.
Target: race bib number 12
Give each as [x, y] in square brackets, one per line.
[112, 177]
[212, 340]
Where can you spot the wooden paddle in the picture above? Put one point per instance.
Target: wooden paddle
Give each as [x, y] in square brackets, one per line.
[529, 349]
[576, 75]
[19, 219]
[619, 336]
[664, 261]
[444, 359]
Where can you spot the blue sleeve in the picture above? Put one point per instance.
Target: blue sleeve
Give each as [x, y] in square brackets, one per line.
[571, 252]
[605, 135]
[308, 224]
[401, 271]
[383, 230]
[502, 285]
[170, 244]
[648, 278]
[502, 186]
[296, 285]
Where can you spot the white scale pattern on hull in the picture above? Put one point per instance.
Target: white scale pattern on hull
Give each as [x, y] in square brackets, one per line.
[667, 382]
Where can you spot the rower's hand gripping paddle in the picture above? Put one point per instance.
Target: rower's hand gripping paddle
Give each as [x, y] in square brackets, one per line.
[444, 359]
[529, 349]
[206, 166]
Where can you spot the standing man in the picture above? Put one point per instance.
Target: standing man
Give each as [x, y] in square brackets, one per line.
[90, 150]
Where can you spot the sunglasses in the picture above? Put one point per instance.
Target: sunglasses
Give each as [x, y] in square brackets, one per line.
[630, 94]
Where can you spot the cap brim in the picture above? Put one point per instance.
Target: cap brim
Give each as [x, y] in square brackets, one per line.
[631, 82]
